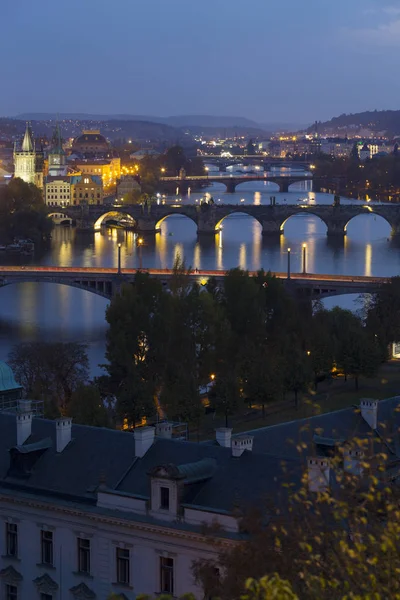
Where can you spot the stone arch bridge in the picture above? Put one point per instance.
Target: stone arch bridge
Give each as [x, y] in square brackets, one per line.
[209, 218]
[231, 182]
[106, 282]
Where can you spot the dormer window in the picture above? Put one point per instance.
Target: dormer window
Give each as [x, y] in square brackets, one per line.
[164, 498]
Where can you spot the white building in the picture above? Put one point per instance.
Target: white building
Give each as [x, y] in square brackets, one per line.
[27, 161]
[86, 511]
[57, 191]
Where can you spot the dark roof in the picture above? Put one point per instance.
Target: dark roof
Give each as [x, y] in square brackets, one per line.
[212, 477]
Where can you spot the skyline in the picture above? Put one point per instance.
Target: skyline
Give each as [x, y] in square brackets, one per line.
[159, 59]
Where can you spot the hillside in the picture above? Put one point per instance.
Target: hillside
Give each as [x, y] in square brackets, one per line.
[377, 122]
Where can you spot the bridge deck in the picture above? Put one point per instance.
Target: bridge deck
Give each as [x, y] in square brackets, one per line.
[96, 271]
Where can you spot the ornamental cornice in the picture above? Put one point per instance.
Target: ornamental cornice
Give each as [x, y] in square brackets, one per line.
[45, 584]
[11, 575]
[98, 518]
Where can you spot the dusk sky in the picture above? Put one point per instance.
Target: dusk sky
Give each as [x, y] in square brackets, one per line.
[280, 60]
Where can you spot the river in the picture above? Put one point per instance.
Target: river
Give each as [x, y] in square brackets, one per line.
[51, 312]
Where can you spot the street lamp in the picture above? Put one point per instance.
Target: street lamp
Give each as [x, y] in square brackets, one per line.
[119, 259]
[288, 263]
[163, 170]
[206, 168]
[140, 244]
[304, 258]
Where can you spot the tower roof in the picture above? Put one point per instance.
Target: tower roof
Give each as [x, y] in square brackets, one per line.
[57, 147]
[27, 143]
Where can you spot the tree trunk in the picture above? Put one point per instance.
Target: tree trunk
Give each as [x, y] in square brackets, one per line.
[356, 381]
[263, 410]
[296, 399]
[226, 419]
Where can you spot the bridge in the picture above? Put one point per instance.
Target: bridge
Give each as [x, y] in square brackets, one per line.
[232, 181]
[252, 159]
[209, 217]
[106, 282]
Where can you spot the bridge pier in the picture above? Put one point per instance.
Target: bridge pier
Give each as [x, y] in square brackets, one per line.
[336, 229]
[271, 228]
[284, 187]
[147, 226]
[231, 187]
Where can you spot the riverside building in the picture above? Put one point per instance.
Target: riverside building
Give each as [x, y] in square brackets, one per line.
[87, 511]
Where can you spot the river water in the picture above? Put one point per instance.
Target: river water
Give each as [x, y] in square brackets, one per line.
[51, 312]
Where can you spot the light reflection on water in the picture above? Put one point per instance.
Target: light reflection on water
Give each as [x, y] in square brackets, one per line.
[53, 312]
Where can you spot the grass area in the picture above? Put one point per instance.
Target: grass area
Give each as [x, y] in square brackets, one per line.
[330, 396]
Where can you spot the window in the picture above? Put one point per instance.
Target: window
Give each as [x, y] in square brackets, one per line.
[11, 592]
[166, 575]
[83, 555]
[122, 565]
[46, 597]
[47, 547]
[12, 539]
[164, 498]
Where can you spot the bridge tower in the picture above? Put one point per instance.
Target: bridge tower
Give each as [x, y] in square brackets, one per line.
[26, 160]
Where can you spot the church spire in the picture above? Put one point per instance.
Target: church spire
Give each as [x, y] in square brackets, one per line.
[57, 147]
[27, 143]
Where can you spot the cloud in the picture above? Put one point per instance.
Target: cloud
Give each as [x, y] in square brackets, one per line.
[384, 34]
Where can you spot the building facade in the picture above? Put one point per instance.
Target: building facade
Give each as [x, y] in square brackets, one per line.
[28, 163]
[57, 161]
[86, 188]
[126, 186]
[57, 191]
[88, 511]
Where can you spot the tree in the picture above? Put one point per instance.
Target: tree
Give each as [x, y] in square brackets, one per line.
[342, 542]
[86, 407]
[250, 148]
[269, 588]
[51, 371]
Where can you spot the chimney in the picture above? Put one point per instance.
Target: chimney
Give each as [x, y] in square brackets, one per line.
[318, 474]
[144, 438]
[164, 430]
[352, 461]
[24, 422]
[369, 411]
[63, 433]
[241, 443]
[223, 436]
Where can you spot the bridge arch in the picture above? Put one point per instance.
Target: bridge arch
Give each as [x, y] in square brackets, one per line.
[369, 217]
[304, 213]
[273, 186]
[241, 211]
[101, 288]
[175, 213]
[60, 218]
[113, 215]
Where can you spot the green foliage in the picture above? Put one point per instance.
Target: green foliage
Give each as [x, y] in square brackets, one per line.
[269, 588]
[50, 371]
[22, 212]
[86, 407]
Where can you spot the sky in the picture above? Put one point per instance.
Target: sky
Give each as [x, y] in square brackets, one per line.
[269, 60]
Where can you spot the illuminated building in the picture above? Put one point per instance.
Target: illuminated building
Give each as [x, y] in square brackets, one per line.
[90, 142]
[108, 169]
[126, 185]
[57, 191]
[28, 163]
[86, 188]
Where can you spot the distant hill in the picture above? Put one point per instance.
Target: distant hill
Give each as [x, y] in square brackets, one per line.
[175, 121]
[377, 122]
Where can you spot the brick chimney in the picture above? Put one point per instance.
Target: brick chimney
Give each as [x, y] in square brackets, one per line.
[241, 443]
[63, 433]
[144, 439]
[223, 435]
[318, 474]
[369, 411]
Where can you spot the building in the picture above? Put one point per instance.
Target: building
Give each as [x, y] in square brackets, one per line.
[126, 186]
[57, 191]
[90, 142]
[10, 390]
[109, 169]
[57, 162]
[28, 163]
[88, 511]
[86, 188]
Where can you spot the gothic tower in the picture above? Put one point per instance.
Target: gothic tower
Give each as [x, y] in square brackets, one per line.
[57, 159]
[25, 158]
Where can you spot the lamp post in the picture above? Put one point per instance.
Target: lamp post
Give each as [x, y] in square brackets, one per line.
[288, 263]
[304, 258]
[206, 171]
[119, 259]
[140, 244]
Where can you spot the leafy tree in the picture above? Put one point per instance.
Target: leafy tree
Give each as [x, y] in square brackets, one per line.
[51, 370]
[269, 588]
[86, 407]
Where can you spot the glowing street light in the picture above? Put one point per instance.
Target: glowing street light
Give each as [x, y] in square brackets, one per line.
[119, 259]
[163, 170]
[288, 263]
[212, 376]
[140, 243]
[304, 258]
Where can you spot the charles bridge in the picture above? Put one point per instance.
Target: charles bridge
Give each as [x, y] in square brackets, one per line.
[209, 217]
[231, 181]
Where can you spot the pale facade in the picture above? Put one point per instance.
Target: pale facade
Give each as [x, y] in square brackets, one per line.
[27, 163]
[108, 169]
[86, 188]
[57, 191]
